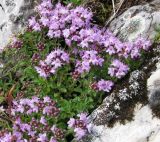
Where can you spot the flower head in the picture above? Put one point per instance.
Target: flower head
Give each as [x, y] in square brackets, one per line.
[118, 69]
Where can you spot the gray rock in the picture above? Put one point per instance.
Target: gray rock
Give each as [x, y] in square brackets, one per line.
[137, 21]
[143, 128]
[153, 84]
[154, 99]
[13, 17]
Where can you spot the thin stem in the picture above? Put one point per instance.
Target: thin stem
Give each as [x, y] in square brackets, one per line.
[113, 16]
[113, 4]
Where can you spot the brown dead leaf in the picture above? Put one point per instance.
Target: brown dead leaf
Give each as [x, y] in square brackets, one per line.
[9, 98]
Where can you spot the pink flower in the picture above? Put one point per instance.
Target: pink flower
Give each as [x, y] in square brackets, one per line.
[36, 27]
[71, 122]
[118, 69]
[32, 21]
[52, 140]
[47, 99]
[80, 125]
[42, 137]
[44, 21]
[66, 33]
[43, 120]
[80, 133]
[104, 85]
[83, 117]
[43, 69]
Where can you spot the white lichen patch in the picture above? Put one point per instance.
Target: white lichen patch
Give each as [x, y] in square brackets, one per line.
[134, 86]
[110, 99]
[123, 94]
[133, 28]
[137, 21]
[134, 83]
[117, 106]
[143, 128]
[135, 76]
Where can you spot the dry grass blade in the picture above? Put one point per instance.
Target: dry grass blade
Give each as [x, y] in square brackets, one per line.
[113, 4]
[115, 13]
[9, 98]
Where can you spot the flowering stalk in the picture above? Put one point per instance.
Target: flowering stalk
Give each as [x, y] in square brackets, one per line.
[80, 125]
[53, 61]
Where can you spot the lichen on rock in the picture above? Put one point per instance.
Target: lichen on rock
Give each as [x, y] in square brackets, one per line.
[137, 21]
[13, 15]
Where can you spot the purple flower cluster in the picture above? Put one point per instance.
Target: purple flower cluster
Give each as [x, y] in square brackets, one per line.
[127, 49]
[33, 131]
[94, 43]
[88, 58]
[34, 24]
[16, 43]
[46, 106]
[102, 85]
[61, 21]
[6, 136]
[53, 61]
[75, 25]
[118, 69]
[81, 125]
[37, 128]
